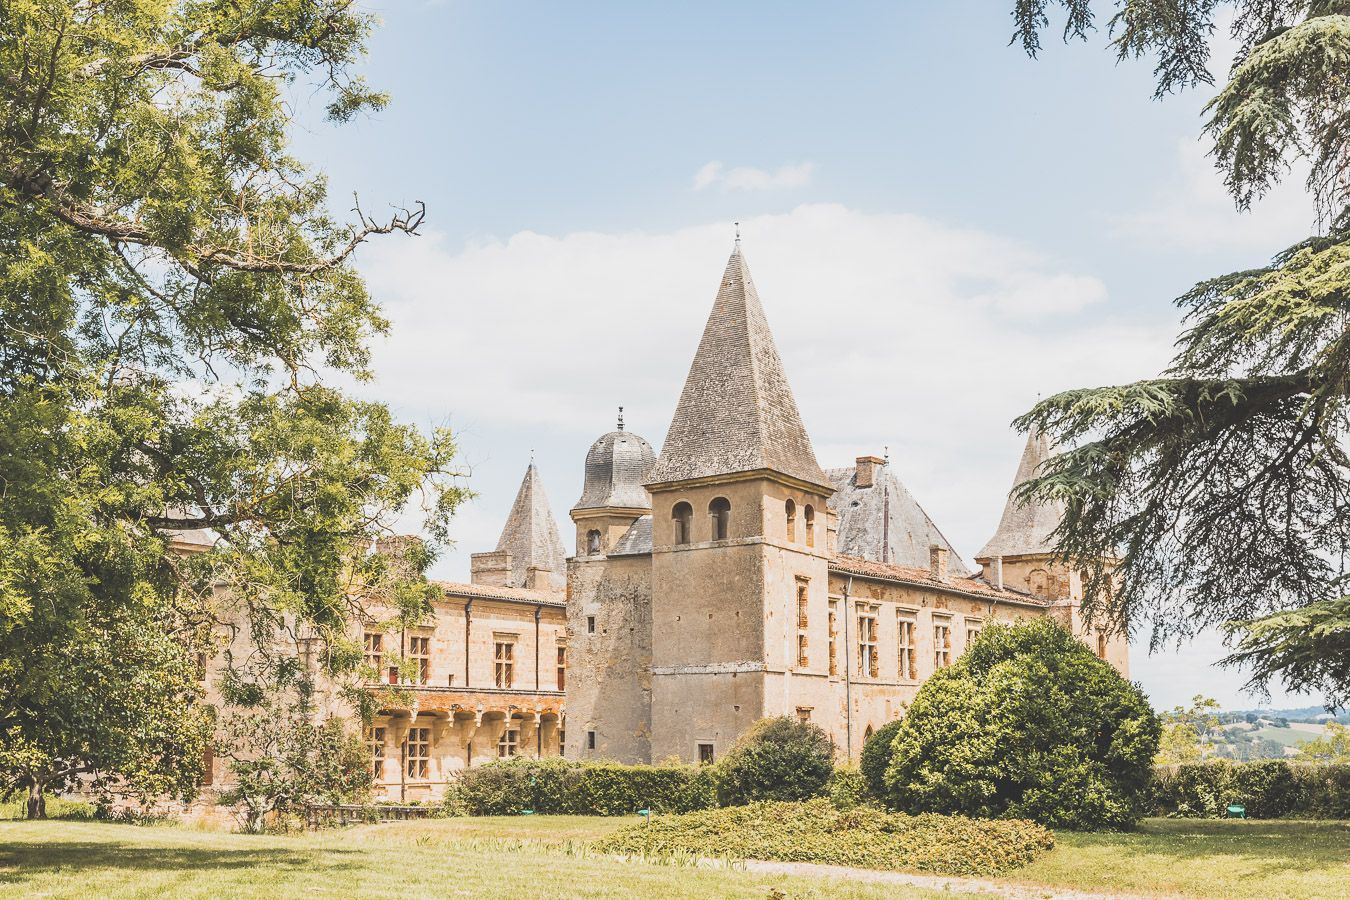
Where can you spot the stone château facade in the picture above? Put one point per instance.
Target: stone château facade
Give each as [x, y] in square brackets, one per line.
[755, 583]
[726, 579]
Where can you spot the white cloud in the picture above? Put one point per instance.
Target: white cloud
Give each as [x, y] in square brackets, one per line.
[1196, 213]
[747, 178]
[896, 331]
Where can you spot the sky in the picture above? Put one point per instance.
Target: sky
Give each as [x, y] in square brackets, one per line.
[941, 230]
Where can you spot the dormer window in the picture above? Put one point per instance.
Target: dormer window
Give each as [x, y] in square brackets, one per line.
[809, 520]
[592, 542]
[682, 517]
[720, 513]
[791, 520]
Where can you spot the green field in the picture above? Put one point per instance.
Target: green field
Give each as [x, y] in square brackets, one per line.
[546, 856]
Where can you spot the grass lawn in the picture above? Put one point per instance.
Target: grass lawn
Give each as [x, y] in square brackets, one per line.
[515, 857]
[1203, 858]
[541, 856]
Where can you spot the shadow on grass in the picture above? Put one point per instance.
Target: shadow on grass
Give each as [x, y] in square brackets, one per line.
[35, 859]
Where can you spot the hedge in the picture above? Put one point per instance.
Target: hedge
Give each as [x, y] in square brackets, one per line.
[565, 787]
[817, 832]
[1267, 789]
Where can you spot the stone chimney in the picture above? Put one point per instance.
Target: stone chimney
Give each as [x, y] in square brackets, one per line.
[996, 572]
[538, 578]
[937, 562]
[491, 569]
[867, 470]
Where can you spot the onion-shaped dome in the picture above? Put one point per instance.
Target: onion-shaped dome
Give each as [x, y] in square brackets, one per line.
[616, 467]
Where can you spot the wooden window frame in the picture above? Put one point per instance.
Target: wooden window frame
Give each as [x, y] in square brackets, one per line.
[907, 644]
[504, 660]
[417, 753]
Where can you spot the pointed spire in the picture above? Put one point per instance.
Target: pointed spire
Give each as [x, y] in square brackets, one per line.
[531, 534]
[1025, 528]
[737, 413]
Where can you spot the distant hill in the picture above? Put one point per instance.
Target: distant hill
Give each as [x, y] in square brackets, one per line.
[1297, 714]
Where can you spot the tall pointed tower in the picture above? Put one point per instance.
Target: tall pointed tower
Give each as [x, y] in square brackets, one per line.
[739, 542]
[1021, 553]
[530, 552]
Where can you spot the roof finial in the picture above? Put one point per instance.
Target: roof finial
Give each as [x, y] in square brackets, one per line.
[621, 418]
[738, 234]
[886, 452]
[531, 456]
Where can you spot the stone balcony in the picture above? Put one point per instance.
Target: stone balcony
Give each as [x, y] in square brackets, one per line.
[469, 703]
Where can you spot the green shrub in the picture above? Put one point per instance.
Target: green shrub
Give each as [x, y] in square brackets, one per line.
[846, 788]
[1266, 789]
[876, 757]
[1028, 723]
[778, 758]
[559, 786]
[816, 832]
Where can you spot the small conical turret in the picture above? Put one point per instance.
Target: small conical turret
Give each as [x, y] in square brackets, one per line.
[529, 552]
[1025, 528]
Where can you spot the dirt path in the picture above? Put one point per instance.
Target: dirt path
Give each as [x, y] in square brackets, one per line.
[949, 884]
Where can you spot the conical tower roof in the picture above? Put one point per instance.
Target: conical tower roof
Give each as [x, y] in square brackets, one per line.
[531, 534]
[737, 412]
[1025, 527]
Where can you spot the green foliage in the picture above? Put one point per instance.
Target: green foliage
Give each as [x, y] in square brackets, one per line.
[1028, 723]
[172, 287]
[1182, 729]
[565, 787]
[777, 758]
[1332, 747]
[876, 757]
[1216, 495]
[284, 758]
[817, 832]
[1267, 789]
[847, 788]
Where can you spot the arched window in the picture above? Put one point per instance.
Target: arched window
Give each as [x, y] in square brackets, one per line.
[592, 542]
[809, 520]
[683, 517]
[720, 512]
[867, 734]
[791, 520]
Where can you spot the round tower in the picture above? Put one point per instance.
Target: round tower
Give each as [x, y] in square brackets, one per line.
[614, 496]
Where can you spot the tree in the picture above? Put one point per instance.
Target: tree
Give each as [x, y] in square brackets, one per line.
[876, 757]
[1184, 728]
[175, 298]
[1028, 723]
[777, 758]
[285, 754]
[1217, 493]
[1332, 747]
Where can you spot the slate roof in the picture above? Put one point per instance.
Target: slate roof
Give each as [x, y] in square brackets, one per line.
[531, 534]
[736, 412]
[637, 540]
[616, 466]
[922, 577]
[1025, 528]
[884, 523]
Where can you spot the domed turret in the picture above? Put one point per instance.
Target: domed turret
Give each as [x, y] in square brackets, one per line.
[613, 497]
[616, 466]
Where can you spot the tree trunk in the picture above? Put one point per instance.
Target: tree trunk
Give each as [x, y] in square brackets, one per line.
[37, 801]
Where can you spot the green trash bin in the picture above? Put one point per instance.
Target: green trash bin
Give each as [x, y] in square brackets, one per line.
[1237, 812]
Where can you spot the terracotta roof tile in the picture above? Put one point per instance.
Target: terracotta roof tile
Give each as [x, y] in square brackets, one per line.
[866, 568]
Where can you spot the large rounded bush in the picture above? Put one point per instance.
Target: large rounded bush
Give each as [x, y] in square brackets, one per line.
[876, 757]
[1028, 723]
[776, 759]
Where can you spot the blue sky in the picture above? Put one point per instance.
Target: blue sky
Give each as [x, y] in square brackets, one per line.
[940, 229]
